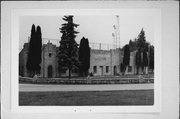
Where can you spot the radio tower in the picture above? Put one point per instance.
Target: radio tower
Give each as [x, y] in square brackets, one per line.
[118, 30]
[116, 34]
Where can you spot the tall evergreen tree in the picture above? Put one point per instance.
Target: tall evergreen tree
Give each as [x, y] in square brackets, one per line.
[138, 60]
[126, 57]
[34, 51]
[38, 48]
[140, 45]
[145, 61]
[68, 49]
[84, 56]
[30, 64]
[141, 41]
[122, 68]
[151, 57]
[130, 45]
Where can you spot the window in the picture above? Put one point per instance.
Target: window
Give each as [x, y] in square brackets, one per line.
[107, 69]
[50, 54]
[95, 69]
[75, 70]
[129, 68]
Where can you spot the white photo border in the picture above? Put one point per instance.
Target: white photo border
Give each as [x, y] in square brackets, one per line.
[15, 17]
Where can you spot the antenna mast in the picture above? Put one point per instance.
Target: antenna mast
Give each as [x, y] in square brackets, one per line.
[118, 30]
[116, 34]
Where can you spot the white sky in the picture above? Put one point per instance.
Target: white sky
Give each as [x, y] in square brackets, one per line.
[98, 29]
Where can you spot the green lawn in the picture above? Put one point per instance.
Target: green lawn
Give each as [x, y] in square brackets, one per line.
[83, 98]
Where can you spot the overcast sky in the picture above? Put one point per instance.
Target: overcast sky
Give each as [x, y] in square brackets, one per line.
[98, 29]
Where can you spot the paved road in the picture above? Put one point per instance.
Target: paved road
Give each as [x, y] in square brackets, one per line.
[37, 87]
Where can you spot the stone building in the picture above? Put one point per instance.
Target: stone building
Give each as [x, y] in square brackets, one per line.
[105, 62]
[102, 62]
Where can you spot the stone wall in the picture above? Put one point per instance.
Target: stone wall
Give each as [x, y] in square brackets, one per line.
[107, 62]
[102, 62]
[117, 59]
[49, 64]
[23, 55]
[100, 59]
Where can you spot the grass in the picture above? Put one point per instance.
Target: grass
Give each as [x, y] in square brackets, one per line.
[87, 98]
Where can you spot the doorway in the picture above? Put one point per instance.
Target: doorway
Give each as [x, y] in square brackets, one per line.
[101, 70]
[115, 70]
[50, 71]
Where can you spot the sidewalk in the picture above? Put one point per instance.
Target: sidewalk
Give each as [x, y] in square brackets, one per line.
[37, 87]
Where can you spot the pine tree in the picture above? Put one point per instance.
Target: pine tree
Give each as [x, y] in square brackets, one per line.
[84, 56]
[34, 51]
[141, 41]
[142, 45]
[68, 49]
[151, 57]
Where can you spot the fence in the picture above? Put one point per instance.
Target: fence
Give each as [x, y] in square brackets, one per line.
[100, 46]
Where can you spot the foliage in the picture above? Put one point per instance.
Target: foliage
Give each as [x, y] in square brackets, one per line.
[84, 56]
[133, 45]
[145, 59]
[34, 51]
[68, 50]
[142, 48]
[141, 40]
[139, 43]
[151, 57]
[126, 57]
[122, 68]
[39, 48]
[138, 60]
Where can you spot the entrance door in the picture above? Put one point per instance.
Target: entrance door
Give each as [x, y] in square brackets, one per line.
[115, 70]
[101, 70]
[50, 71]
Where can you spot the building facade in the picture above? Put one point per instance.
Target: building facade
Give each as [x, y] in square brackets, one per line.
[102, 62]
